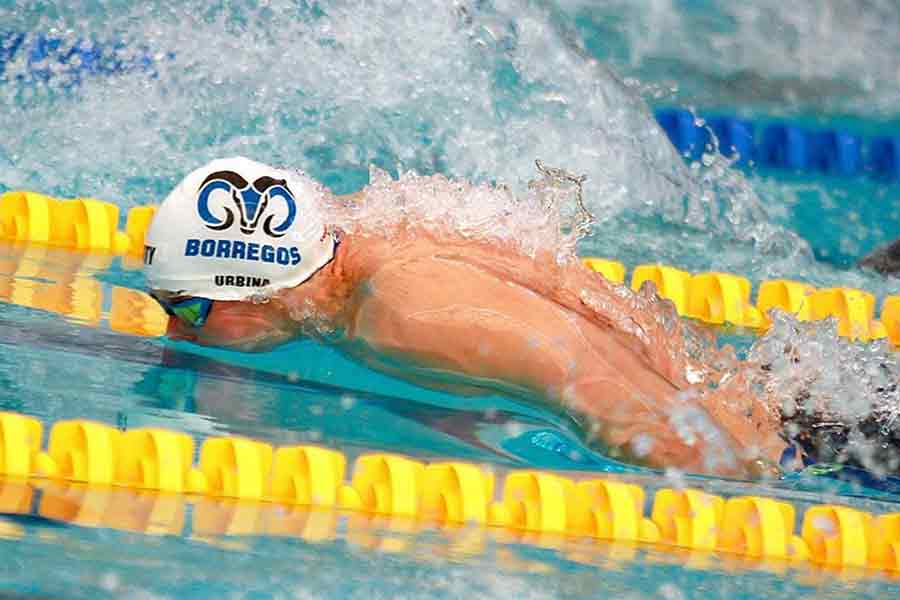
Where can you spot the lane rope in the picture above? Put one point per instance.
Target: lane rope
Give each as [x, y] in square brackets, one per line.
[783, 145]
[437, 494]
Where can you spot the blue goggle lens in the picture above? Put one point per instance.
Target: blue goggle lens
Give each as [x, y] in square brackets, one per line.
[190, 311]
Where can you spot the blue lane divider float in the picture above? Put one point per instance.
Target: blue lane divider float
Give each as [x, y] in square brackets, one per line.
[781, 145]
[777, 145]
[40, 58]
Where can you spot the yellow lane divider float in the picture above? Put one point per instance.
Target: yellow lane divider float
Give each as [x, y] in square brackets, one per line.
[716, 298]
[84, 224]
[440, 494]
[723, 298]
[63, 282]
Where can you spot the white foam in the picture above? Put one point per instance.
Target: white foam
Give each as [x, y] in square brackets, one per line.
[470, 91]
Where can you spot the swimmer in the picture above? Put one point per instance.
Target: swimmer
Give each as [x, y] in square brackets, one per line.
[241, 256]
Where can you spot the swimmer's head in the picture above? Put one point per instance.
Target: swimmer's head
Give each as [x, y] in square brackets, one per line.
[236, 228]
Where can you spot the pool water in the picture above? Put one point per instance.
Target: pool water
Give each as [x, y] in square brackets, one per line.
[472, 89]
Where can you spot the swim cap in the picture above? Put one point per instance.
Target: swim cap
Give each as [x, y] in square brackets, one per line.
[234, 228]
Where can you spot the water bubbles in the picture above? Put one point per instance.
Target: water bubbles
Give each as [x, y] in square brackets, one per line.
[670, 591]
[260, 298]
[675, 478]
[347, 401]
[695, 427]
[642, 445]
[514, 429]
[693, 374]
[110, 581]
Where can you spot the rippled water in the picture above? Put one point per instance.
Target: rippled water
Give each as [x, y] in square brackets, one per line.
[807, 58]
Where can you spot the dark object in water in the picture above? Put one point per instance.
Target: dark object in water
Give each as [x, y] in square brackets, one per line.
[885, 260]
[870, 442]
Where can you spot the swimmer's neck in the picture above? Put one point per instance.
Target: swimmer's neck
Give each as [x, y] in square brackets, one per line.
[327, 295]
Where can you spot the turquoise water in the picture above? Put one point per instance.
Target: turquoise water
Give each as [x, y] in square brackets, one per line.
[477, 90]
[56, 369]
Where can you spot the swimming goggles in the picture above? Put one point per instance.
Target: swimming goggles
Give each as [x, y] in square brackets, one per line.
[192, 311]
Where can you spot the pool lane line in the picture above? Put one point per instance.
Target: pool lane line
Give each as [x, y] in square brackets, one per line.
[724, 299]
[780, 144]
[89, 225]
[440, 494]
[239, 525]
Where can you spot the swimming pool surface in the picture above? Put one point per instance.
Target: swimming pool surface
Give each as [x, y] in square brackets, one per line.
[476, 89]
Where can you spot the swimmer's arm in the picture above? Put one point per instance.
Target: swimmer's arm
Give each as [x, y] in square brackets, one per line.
[445, 314]
[436, 302]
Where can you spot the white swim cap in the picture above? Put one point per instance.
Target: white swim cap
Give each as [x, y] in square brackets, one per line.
[234, 228]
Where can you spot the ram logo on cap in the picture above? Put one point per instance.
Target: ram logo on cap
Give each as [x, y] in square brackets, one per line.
[251, 202]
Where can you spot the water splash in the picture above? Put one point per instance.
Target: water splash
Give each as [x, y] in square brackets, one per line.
[549, 218]
[471, 90]
[842, 399]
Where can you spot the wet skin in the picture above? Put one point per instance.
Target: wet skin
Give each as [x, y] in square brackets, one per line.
[490, 313]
